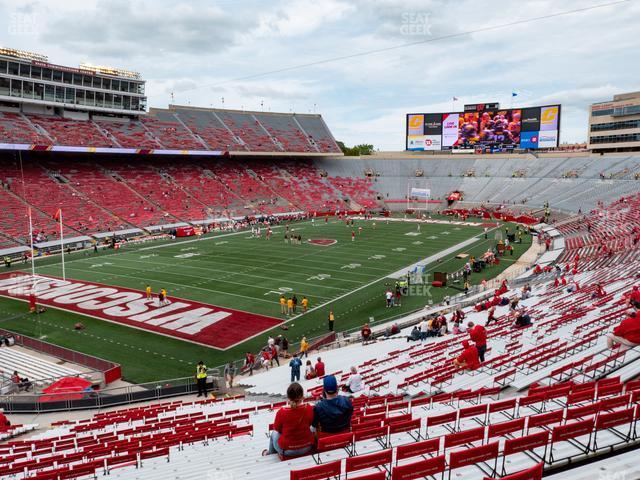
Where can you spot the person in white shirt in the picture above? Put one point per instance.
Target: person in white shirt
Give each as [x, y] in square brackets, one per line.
[389, 296]
[354, 383]
[424, 328]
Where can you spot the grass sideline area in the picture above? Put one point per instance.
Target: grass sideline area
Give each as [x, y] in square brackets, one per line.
[238, 271]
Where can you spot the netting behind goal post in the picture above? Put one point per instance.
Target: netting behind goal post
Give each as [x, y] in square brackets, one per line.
[418, 194]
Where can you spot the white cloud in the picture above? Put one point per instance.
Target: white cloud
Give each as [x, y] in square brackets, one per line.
[197, 48]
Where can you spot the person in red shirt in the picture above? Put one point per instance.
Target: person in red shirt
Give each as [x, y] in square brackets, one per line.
[319, 367]
[634, 297]
[478, 335]
[627, 333]
[468, 359]
[4, 422]
[249, 361]
[291, 435]
[491, 316]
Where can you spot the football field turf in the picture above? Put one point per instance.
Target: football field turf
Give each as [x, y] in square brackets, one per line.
[244, 277]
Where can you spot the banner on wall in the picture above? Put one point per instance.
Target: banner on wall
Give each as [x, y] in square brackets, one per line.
[529, 139]
[530, 120]
[415, 124]
[415, 142]
[424, 193]
[548, 139]
[433, 124]
[549, 118]
[449, 129]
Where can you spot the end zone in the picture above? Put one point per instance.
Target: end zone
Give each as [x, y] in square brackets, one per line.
[188, 320]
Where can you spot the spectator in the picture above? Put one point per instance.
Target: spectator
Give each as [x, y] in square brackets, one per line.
[444, 328]
[478, 335]
[468, 359]
[365, 332]
[274, 354]
[598, 292]
[291, 434]
[491, 315]
[634, 297]
[5, 423]
[354, 383]
[424, 329]
[285, 347]
[309, 371]
[414, 336]
[249, 361]
[522, 319]
[627, 333]
[332, 414]
[319, 368]
[456, 328]
[391, 330]
[295, 365]
[229, 373]
[266, 359]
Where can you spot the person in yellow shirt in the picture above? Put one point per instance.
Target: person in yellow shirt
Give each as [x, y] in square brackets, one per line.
[305, 304]
[148, 290]
[283, 305]
[165, 300]
[290, 306]
[304, 347]
[332, 319]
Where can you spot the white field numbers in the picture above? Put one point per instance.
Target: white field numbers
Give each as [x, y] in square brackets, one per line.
[280, 291]
[319, 277]
[187, 255]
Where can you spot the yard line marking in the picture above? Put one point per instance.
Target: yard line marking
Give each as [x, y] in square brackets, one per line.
[219, 279]
[459, 246]
[272, 302]
[232, 273]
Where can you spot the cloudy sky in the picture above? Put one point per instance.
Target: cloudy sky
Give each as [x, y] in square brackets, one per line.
[290, 55]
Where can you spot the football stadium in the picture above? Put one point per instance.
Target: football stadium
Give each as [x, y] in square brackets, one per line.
[203, 290]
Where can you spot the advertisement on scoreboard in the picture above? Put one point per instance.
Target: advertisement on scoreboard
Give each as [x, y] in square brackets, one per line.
[495, 129]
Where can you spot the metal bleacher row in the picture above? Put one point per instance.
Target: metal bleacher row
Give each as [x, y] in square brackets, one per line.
[34, 368]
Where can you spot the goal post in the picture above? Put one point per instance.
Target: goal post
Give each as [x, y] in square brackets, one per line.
[418, 194]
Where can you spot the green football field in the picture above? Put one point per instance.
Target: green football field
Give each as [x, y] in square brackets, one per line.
[244, 273]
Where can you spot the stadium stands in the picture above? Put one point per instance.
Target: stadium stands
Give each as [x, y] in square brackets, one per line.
[106, 195]
[178, 128]
[39, 371]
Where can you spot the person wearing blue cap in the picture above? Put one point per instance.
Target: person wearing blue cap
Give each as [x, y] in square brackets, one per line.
[332, 414]
[295, 365]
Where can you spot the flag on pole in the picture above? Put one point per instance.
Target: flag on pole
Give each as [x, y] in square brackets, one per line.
[455, 99]
[514, 94]
[58, 218]
[33, 265]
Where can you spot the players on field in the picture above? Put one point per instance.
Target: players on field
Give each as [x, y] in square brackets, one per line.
[283, 305]
[305, 304]
[162, 297]
[290, 306]
[148, 290]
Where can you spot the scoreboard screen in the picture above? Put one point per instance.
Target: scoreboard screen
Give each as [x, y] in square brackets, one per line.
[527, 128]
